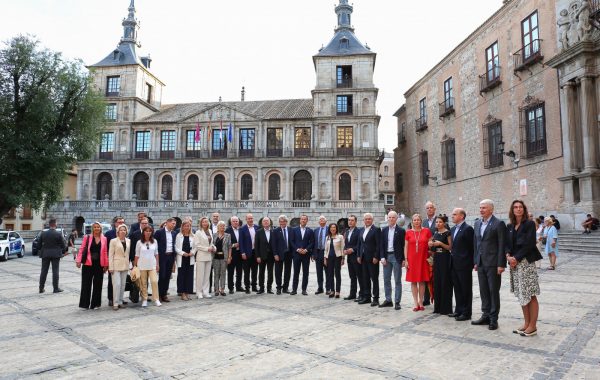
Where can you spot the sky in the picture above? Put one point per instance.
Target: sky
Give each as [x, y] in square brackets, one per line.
[206, 49]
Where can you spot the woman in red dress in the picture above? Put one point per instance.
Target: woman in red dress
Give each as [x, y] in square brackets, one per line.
[416, 251]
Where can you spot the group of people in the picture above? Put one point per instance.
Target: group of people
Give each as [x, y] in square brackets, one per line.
[439, 260]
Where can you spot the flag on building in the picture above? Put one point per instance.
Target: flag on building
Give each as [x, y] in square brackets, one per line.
[221, 131]
[197, 136]
[230, 133]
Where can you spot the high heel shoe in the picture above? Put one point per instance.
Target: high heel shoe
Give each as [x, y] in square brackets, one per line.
[421, 308]
[416, 308]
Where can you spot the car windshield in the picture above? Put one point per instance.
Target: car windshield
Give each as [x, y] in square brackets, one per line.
[3, 235]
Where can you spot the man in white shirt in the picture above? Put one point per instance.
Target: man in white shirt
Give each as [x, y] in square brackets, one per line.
[264, 244]
[319, 252]
[247, 240]
[392, 258]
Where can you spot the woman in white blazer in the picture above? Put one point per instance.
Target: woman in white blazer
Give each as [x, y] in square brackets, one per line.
[185, 260]
[333, 260]
[204, 248]
[118, 264]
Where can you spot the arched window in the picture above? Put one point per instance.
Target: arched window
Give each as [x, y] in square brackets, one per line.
[192, 187]
[386, 170]
[104, 186]
[345, 187]
[141, 184]
[246, 187]
[274, 187]
[302, 186]
[166, 188]
[219, 187]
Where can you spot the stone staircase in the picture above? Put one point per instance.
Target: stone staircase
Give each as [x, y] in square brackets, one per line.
[576, 242]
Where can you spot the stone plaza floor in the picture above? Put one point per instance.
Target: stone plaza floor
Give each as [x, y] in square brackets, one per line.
[307, 337]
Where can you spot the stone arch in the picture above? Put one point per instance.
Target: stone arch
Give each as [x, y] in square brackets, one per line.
[192, 186]
[246, 186]
[141, 185]
[274, 185]
[166, 185]
[302, 185]
[218, 183]
[104, 186]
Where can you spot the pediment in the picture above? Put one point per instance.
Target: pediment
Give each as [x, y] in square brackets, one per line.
[217, 112]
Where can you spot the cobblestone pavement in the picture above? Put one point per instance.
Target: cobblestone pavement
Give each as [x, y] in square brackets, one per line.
[270, 336]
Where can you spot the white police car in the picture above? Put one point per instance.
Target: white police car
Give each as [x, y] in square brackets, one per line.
[11, 243]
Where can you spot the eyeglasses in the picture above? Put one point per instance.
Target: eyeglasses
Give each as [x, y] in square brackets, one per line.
[147, 246]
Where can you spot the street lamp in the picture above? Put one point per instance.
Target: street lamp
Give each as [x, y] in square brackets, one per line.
[511, 154]
[433, 178]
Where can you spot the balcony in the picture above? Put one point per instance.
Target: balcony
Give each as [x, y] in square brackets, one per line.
[105, 156]
[421, 124]
[529, 55]
[446, 107]
[196, 154]
[345, 152]
[142, 155]
[302, 152]
[167, 154]
[246, 153]
[220, 153]
[489, 80]
[274, 152]
[344, 83]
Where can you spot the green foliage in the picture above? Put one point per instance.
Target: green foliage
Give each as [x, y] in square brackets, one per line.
[50, 118]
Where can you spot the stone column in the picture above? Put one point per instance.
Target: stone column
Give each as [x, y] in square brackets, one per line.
[128, 185]
[287, 185]
[230, 193]
[178, 186]
[589, 124]
[80, 185]
[257, 194]
[152, 191]
[205, 185]
[358, 187]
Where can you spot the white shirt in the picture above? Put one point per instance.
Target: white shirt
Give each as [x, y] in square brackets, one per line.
[367, 229]
[145, 254]
[430, 222]
[484, 224]
[302, 231]
[214, 228]
[390, 245]
[322, 237]
[285, 236]
[169, 241]
[252, 234]
[456, 228]
[268, 234]
[350, 233]
[236, 232]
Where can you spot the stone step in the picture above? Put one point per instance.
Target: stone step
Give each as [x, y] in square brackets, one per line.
[581, 250]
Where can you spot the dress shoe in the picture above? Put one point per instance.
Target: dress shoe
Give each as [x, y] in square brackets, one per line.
[426, 303]
[481, 321]
[453, 315]
[319, 291]
[270, 291]
[239, 289]
[247, 291]
[166, 299]
[293, 293]
[364, 301]
[493, 326]
[331, 295]
[255, 289]
[350, 298]
[260, 291]
[358, 299]
[304, 293]
[278, 292]
[397, 307]
[337, 296]
[230, 291]
[42, 290]
[110, 303]
[58, 290]
[386, 303]
[374, 303]
[223, 294]
[285, 291]
[462, 317]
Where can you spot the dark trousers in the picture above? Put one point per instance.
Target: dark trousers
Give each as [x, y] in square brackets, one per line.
[185, 276]
[250, 272]
[46, 261]
[91, 285]
[334, 273]
[355, 273]
[304, 261]
[320, 268]
[235, 266]
[109, 290]
[370, 282]
[164, 276]
[462, 280]
[442, 284]
[283, 270]
[489, 290]
[268, 265]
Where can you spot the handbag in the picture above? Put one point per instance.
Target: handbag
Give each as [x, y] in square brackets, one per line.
[544, 240]
[430, 260]
[135, 274]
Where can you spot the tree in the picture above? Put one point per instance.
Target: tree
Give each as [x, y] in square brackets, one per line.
[50, 118]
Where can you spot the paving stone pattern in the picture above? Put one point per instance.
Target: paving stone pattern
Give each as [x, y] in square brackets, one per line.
[305, 337]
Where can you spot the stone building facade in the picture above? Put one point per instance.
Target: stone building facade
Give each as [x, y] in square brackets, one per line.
[386, 181]
[488, 121]
[317, 155]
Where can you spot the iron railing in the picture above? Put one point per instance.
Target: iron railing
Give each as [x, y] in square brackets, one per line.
[489, 79]
[421, 124]
[529, 55]
[446, 107]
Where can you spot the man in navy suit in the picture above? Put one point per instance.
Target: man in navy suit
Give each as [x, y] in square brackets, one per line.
[319, 252]
[490, 262]
[247, 238]
[282, 243]
[165, 239]
[351, 250]
[462, 265]
[303, 244]
[392, 257]
[369, 259]
[236, 259]
[264, 244]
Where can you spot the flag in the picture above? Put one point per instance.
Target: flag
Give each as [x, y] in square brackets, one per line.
[209, 133]
[230, 133]
[221, 131]
[197, 136]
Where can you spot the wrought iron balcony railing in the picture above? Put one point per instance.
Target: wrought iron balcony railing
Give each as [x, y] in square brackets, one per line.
[490, 79]
[529, 55]
[446, 107]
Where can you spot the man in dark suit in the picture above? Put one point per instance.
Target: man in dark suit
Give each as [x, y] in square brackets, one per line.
[391, 249]
[319, 252]
[165, 238]
[369, 259]
[282, 254]
[236, 259]
[112, 234]
[52, 248]
[429, 222]
[264, 248]
[137, 226]
[351, 250]
[136, 236]
[462, 265]
[247, 240]
[490, 261]
[303, 244]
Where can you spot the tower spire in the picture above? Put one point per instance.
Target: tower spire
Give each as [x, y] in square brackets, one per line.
[130, 26]
[344, 15]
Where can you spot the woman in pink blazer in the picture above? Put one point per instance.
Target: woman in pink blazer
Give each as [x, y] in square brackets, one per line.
[93, 255]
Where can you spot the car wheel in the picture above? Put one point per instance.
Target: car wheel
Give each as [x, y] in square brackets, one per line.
[21, 253]
[5, 255]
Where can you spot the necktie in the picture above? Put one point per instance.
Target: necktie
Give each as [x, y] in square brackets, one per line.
[285, 237]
